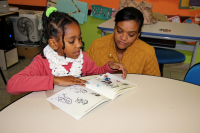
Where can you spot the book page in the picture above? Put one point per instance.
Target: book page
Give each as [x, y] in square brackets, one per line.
[110, 86]
[77, 100]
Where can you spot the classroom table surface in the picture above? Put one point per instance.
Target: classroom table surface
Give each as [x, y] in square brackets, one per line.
[157, 105]
[179, 31]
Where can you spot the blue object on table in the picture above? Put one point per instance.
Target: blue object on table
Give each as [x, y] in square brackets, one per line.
[188, 21]
[168, 56]
[193, 75]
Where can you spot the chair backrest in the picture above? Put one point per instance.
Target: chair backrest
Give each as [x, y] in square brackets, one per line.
[193, 74]
[4, 79]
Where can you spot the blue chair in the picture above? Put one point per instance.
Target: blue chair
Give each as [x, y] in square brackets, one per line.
[164, 56]
[168, 56]
[193, 74]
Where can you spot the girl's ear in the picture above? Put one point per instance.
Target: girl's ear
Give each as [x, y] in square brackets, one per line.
[53, 43]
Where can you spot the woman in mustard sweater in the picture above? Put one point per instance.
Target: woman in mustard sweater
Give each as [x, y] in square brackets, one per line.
[124, 45]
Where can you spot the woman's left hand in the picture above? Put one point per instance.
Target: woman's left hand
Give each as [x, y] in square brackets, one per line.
[118, 66]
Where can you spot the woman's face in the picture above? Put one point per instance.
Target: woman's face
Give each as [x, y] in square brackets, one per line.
[72, 40]
[125, 33]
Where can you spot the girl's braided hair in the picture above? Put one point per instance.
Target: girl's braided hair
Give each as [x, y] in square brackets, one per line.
[51, 25]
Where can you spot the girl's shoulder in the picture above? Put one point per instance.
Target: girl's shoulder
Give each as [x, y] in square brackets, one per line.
[86, 58]
[38, 59]
[84, 55]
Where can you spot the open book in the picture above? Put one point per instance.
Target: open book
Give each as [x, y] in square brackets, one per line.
[78, 100]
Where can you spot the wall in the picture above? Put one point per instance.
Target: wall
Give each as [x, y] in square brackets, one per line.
[29, 2]
[167, 7]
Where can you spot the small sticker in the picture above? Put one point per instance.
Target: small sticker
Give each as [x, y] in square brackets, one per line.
[98, 85]
[165, 30]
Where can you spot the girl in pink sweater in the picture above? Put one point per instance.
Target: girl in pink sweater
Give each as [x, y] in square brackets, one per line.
[61, 61]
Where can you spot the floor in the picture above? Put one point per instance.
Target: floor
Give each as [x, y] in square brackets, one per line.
[174, 71]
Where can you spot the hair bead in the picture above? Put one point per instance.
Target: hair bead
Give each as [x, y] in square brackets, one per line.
[50, 10]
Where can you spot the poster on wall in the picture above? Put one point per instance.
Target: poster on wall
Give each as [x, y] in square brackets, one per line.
[184, 4]
[101, 12]
[74, 8]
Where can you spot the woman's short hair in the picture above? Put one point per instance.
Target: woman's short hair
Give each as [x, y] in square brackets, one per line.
[130, 13]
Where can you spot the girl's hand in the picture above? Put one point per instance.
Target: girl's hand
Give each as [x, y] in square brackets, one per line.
[118, 66]
[68, 81]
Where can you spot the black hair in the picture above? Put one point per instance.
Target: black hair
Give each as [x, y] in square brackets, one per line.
[52, 25]
[130, 13]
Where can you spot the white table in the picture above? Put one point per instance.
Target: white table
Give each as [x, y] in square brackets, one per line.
[158, 105]
[179, 32]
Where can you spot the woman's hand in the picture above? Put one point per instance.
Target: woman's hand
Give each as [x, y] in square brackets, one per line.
[118, 66]
[68, 81]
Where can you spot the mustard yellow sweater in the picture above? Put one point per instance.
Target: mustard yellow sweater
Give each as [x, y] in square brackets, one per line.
[138, 58]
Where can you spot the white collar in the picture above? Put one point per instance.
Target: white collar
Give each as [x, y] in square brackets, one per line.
[56, 61]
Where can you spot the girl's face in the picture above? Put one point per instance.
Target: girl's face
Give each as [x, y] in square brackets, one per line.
[72, 41]
[125, 33]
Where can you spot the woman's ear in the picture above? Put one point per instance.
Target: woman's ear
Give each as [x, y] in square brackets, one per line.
[53, 43]
[115, 27]
[138, 35]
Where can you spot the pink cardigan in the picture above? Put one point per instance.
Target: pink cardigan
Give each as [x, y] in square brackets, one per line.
[38, 77]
